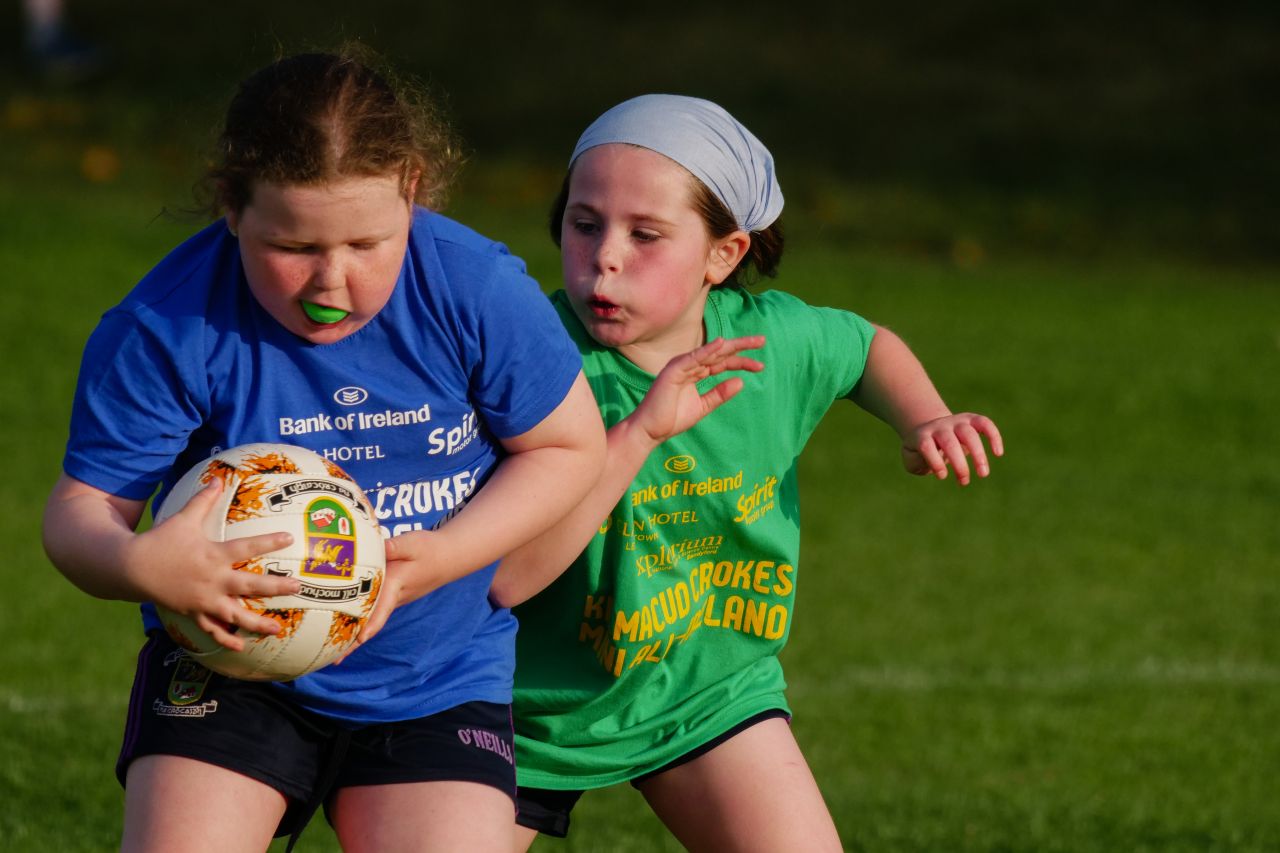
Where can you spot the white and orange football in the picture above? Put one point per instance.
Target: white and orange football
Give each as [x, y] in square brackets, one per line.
[337, 554]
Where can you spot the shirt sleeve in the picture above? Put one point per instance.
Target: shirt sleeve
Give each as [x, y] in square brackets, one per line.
[527, 360]
[133, 410]
[848, 342]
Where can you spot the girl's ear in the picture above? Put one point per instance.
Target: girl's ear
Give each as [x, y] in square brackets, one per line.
[233, 222]
[726, 253]
[411, 186]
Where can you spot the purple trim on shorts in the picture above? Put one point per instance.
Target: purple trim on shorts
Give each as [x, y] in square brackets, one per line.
[511, 721]
[133, 718]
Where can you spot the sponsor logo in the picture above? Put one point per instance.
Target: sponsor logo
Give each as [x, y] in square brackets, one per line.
[445, 496]
[487, 741]
[354, 454]
[669, 556]
[354, 421]
[680, 464]
[352, 395]
[756, 503]
[452, 440]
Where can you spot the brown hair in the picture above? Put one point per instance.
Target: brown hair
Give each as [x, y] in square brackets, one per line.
[315, 117]
[761, 259]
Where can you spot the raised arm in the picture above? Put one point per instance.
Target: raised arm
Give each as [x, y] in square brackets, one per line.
[896, 389]
[89, 536]
[672, 405]
[548, 471]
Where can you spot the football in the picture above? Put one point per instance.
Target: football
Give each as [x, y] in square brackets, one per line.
[337, 554]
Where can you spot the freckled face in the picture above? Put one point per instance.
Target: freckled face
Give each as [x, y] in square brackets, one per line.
[635, 253]
[323, 260]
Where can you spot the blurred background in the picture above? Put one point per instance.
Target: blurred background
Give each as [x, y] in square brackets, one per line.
[1071, 212]
[1079, 127]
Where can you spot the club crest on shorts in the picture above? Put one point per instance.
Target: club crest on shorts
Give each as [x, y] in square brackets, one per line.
[331, 540]
[188, 683]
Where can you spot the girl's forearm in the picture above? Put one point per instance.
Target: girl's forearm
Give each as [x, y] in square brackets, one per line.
[895, 387]
[85, 534]
[529, 569]
[527, 493]
[548, 472]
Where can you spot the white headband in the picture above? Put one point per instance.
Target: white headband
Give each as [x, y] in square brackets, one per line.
[706, 140]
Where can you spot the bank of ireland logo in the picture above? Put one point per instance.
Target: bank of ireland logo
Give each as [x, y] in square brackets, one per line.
[352, 395]
[331, 541]
[680, 464]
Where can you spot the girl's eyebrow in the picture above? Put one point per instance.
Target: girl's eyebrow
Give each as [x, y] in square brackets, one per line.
[286, 237]
[583, 207]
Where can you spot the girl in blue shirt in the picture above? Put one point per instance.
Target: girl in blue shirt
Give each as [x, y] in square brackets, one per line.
[331, 308]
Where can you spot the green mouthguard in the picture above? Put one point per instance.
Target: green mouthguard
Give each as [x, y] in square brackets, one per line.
[321, 314]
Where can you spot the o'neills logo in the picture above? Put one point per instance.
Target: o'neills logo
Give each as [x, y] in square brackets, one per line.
[487, 741]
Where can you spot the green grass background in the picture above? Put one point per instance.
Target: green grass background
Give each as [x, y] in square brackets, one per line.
[1070, 214]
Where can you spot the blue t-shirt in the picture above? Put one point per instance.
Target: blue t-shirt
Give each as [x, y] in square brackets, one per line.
[467, 350]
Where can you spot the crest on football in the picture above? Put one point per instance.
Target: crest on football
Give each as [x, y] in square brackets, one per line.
[337, 554]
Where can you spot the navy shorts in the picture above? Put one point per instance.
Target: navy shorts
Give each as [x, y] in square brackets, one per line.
[547, 810]
[179, 707]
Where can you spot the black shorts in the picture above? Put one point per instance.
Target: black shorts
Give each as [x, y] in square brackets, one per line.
[179, 707]
[547, 810]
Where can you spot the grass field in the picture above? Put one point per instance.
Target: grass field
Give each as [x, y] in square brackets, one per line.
[1079, 654]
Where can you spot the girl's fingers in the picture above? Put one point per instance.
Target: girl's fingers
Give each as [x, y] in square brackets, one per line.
[704, 353]
[954, 452]
[254, 585]
[736, 362]
[972, 443]
[378, 618]
[723, 348]
[714, 357]
[249, 547]
[228, 626]
[988, 428]
[722, 393]
[952, 441]
[733, 348]
[221, 632]
[398, 549]
[201, 503]
[747, 342]
[933, 458]
[372, 626]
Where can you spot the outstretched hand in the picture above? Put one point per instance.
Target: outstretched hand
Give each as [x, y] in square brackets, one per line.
[951, 441]
[674, 403]
[185, 571]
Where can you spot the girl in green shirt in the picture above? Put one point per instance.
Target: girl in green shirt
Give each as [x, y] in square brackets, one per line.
[654, 658]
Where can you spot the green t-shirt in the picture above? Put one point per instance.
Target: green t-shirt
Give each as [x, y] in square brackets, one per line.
[666, 631]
